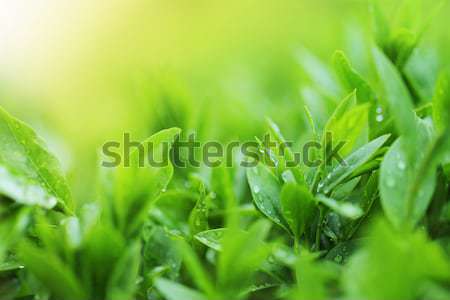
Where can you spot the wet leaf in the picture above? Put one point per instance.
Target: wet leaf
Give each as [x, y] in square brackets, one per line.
[29, 173]
[266, 189]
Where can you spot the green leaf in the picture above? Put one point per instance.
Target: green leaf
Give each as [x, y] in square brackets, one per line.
[403, 43]
[266, 189]
[285, 151]
[29, 173]
[13, 226]
[242, 255]
[175, 291]
[130, 190]
[398, 99]
[123, 281]
[406, 187]
[351, 79]
[394, 265]
[298, 207]
[319, 73]
[352, 163]
[159, 250]
[52, 272]
[196, 270]
[198, 219]
[380, 25]
[344, 105]
[441, 103]
[345, 209]
[211, 238]
[313, 278]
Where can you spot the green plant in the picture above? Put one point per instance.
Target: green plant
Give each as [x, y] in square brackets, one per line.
[375, 227]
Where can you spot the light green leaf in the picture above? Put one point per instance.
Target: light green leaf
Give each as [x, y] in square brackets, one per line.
[319, 73]
[380, 25]
[266, 189]
[285, 151]
[131, 189]
[211, 238]
[406, 187]
[51, 272]
[123, 281]
[29, 173]
[196, 270]
[198, 219]
[398, 99]
[159, 250]
[441, 103]
[242, 255]
[13, 226]
[351, 79]
[345, 209]
[352, 163]
[298, 207]
[394, 265]
[175, 291]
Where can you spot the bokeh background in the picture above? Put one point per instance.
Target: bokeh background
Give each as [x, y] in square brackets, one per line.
[83, 72]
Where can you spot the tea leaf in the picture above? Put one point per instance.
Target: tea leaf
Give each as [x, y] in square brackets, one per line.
[211, 238]
[51, 272]
[29, 173]
[352, 163]
[266, 188]
[352, 80]
[175, 291]
[345, 209]
[298, 207]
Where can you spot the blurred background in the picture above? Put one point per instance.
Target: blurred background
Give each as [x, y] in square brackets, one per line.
[84, 72]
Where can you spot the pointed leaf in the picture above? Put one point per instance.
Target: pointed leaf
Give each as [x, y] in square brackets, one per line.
[29, 173]
[175, 291]
[352, 163]
[266, 188]
[298, 207]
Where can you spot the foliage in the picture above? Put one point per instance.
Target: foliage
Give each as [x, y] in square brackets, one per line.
[374, 227]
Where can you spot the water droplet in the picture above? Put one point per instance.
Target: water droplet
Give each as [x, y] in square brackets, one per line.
[379, 110]
[379, 118]
[163, 190]
[256, 189]
[329, 176]
[390, 182]
[401, 165]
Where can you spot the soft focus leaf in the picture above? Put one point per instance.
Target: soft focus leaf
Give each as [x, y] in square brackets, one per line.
[394, 265]
[352, 162]
[406, 187]
[29, 173]
[175, 291]
[298, 207]
[351, 80]
[266, 190]
[51, 272]
[398, 99]
[122, 283]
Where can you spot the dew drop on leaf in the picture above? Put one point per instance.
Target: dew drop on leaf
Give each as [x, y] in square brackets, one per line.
[379, 110]
[401, 165]
[256, 189]
[390, 182]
